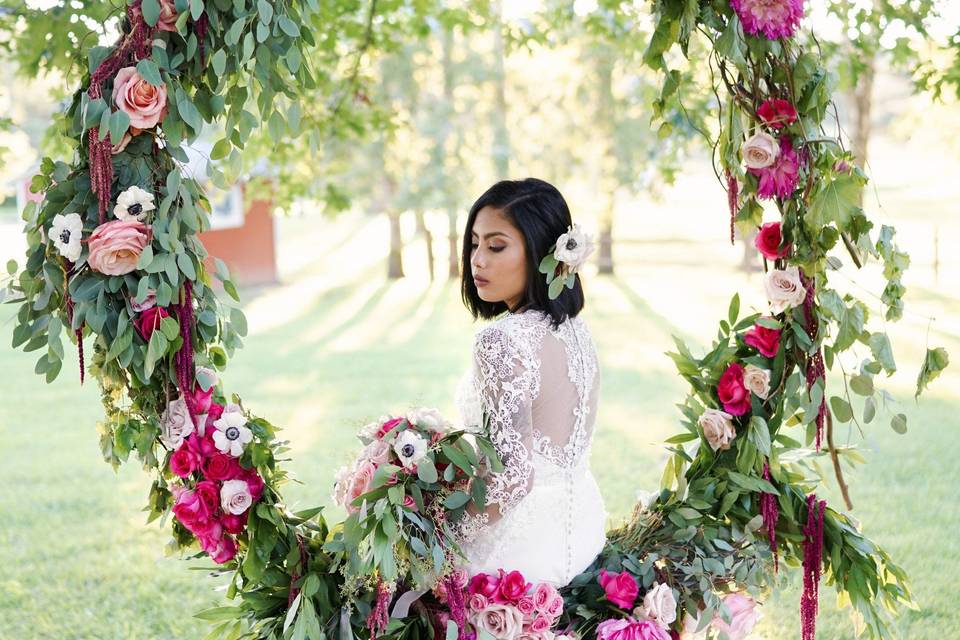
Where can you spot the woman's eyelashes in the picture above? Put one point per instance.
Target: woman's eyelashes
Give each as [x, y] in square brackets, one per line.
[474, 246]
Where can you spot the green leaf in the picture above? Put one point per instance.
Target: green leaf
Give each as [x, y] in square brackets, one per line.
[935, 361]
[150, 72]
[219, 62]
[883, 352]
[734, 309]
[265, 9]
[188, 112]
[456, 500]
[556, 286]
[151, 11]
[899, 423]
[119, 122]
[155, 351]
[869, 409]
[170, 328]
[221, 149]
[841, 409]
[426, 471]
[186, 266]
[289, 27]
[835, 202]
[862, 385]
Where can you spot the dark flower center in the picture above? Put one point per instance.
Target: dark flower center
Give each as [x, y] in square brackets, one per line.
[407, 450]
[571, 244]
[135, 209]
[232, 433]
[65, 236]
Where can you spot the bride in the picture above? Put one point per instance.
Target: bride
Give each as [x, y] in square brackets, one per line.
[535, 379]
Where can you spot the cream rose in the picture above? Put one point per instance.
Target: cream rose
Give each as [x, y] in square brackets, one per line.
[115, 246]
[760, 151]
[784, 289]
[501, 621]
[660, 606]
[428, 419]
[144, 103]
[757, 380]
[175, 424]
[717, 428]
[235, 496]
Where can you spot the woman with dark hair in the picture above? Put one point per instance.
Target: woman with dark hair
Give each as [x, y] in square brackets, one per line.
[533, 386]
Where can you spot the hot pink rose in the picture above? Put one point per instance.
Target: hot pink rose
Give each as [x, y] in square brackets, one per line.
[526, 606]
[254, 482]
[115, 246]
[768, 241]
[168, 16]
[743, 616]
[190, 509]
[209, 529]
[764, 339]
[513, 586]
[221, 550]
[201, 400]
[630, 629]
[144, 103]
[388, 426]
[621, 588]
[732, 392]
[149, 321]
[484, 584]
[360, 483]
[209, 494]
[220, 466]
[234, 524]
[184, 461]
[777, 113]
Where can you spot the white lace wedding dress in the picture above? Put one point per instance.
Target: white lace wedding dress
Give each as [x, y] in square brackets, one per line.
[539, 386]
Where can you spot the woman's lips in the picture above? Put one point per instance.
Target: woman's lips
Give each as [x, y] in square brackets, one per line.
[480, 282]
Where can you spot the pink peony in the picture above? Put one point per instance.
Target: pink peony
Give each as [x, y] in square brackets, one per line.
[149, 321]
[774, 18]
[743, 616]
[768, 241]
[168, 16]
[779, 179]
[184, 461]
[513, 586]
[777, 113]
[144, 103]
[764, 339]
[621, 588]
[630, 629]
[732, 392]
[220, 466]
[115, 246]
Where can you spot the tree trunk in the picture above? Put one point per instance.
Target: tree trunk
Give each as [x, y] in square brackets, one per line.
[605, 248]
[395, 259]
[453, 239]
[501, 139]
[604, 59]
[862, 111]
[424, 232]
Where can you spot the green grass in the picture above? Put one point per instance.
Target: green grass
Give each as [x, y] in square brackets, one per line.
[335, 347]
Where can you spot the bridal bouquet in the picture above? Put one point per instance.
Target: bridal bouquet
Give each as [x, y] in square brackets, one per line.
[412, 480]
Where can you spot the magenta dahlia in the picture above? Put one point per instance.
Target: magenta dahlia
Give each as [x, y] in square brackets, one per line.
[779, 179]
[775, 18]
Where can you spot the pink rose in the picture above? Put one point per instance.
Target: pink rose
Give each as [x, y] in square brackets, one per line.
[513, 586]
[540, 624]
[542, 595]
[760, 151]
[777, 113]
[214, 413]
[204, 445]
[144, 103]
[743, 616]
[184, 461]
[209, 494]
[235, 497]
[377, 452]
[149, 301]
[732, 392]
[220, 466]
[780, 178]
[190, 509]
[630, 629]
[360, 483]
[209, 529]
[221, 550]
[499, 620]
[765, 340]
[201, 400]
[717, 428]
[388, 426]
[234, 524]
[149, 321]
[168, 16]
[254, 482]
[115, 246]
[555, 608]
[477, 602]
[526, 606]
[621, 588]
[120, 146]
[484, 584]
[409, 502]
[768, 241]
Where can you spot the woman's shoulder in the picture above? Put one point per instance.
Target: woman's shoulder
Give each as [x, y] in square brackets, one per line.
[514, 330]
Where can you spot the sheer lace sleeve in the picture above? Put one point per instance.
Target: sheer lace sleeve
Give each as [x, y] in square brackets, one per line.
[506, 379]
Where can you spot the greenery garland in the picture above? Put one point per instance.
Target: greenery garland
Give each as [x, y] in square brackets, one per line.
[114, 256]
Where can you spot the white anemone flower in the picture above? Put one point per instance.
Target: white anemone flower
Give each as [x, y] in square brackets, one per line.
[573, 248]
[134, 204]
[66, 233]
[410, 447]
[232, 433]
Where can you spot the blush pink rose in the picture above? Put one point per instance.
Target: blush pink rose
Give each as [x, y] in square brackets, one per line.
[360, 483]
[149, 321]
[555, 608]
[763, 339]
[513, 586]
[768, 241]
[540, 624]
[542, 595]
[621, 588]
[168, 16]
[184, 461]
[526, 606]
[115, 246]
[630, 629]
[732, 392]
[485, 584]
[477, 602]
[144, 103]
[743, 616]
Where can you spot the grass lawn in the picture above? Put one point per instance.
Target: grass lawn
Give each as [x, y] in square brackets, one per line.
[334, 347]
